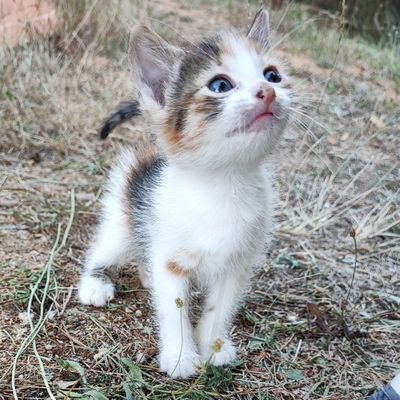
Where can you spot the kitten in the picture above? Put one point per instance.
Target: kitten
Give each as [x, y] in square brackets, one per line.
[200, 209]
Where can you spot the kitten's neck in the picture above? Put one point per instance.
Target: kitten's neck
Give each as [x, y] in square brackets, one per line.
[222, 165]
[213, 174]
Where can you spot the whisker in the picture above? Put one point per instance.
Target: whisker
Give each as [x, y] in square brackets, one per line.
[305, 115]
[319, 100]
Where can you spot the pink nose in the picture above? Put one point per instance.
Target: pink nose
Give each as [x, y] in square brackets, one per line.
[266, 94]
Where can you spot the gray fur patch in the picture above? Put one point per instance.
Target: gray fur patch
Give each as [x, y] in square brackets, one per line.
[196, 59]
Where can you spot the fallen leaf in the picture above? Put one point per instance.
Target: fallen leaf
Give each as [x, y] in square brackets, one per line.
[66, 384]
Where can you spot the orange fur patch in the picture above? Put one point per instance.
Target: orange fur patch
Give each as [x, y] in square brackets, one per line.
[174, 137]
[176, 270]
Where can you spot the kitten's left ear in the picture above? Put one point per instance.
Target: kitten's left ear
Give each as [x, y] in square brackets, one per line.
[260, 30]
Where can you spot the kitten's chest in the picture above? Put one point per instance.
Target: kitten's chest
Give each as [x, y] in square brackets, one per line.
[219, 219]
[227, 217]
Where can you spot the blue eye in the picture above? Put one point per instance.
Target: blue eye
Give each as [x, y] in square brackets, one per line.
[220, 85]
[271, 74]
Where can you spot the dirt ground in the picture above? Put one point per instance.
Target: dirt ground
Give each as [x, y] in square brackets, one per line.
[306, 330]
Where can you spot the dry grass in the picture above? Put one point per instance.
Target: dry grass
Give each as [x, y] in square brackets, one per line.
[298, 336]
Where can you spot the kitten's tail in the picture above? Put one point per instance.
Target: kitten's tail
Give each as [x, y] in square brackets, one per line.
[124, 112]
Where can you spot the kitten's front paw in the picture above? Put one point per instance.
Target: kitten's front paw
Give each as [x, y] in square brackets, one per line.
[184, 366]
[219, 355]
[95, 291]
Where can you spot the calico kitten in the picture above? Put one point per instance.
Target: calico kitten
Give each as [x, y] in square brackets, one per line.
[200, 209]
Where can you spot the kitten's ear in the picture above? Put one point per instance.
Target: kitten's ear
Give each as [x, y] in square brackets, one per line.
[152, 60]
[259, 29]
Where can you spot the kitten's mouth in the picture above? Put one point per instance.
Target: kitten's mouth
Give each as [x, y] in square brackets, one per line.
[258, 121]
[266, 114]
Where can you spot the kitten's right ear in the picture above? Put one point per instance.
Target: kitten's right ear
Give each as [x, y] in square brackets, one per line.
[152, 60]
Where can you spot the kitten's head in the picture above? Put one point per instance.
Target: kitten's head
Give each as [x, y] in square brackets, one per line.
[222, 101]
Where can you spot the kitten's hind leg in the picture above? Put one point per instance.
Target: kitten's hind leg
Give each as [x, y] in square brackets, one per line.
[113, 244]
[111, 248]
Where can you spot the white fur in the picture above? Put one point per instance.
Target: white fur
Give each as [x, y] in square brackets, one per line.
[211, 217]
[214, 226]
[95, 291]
